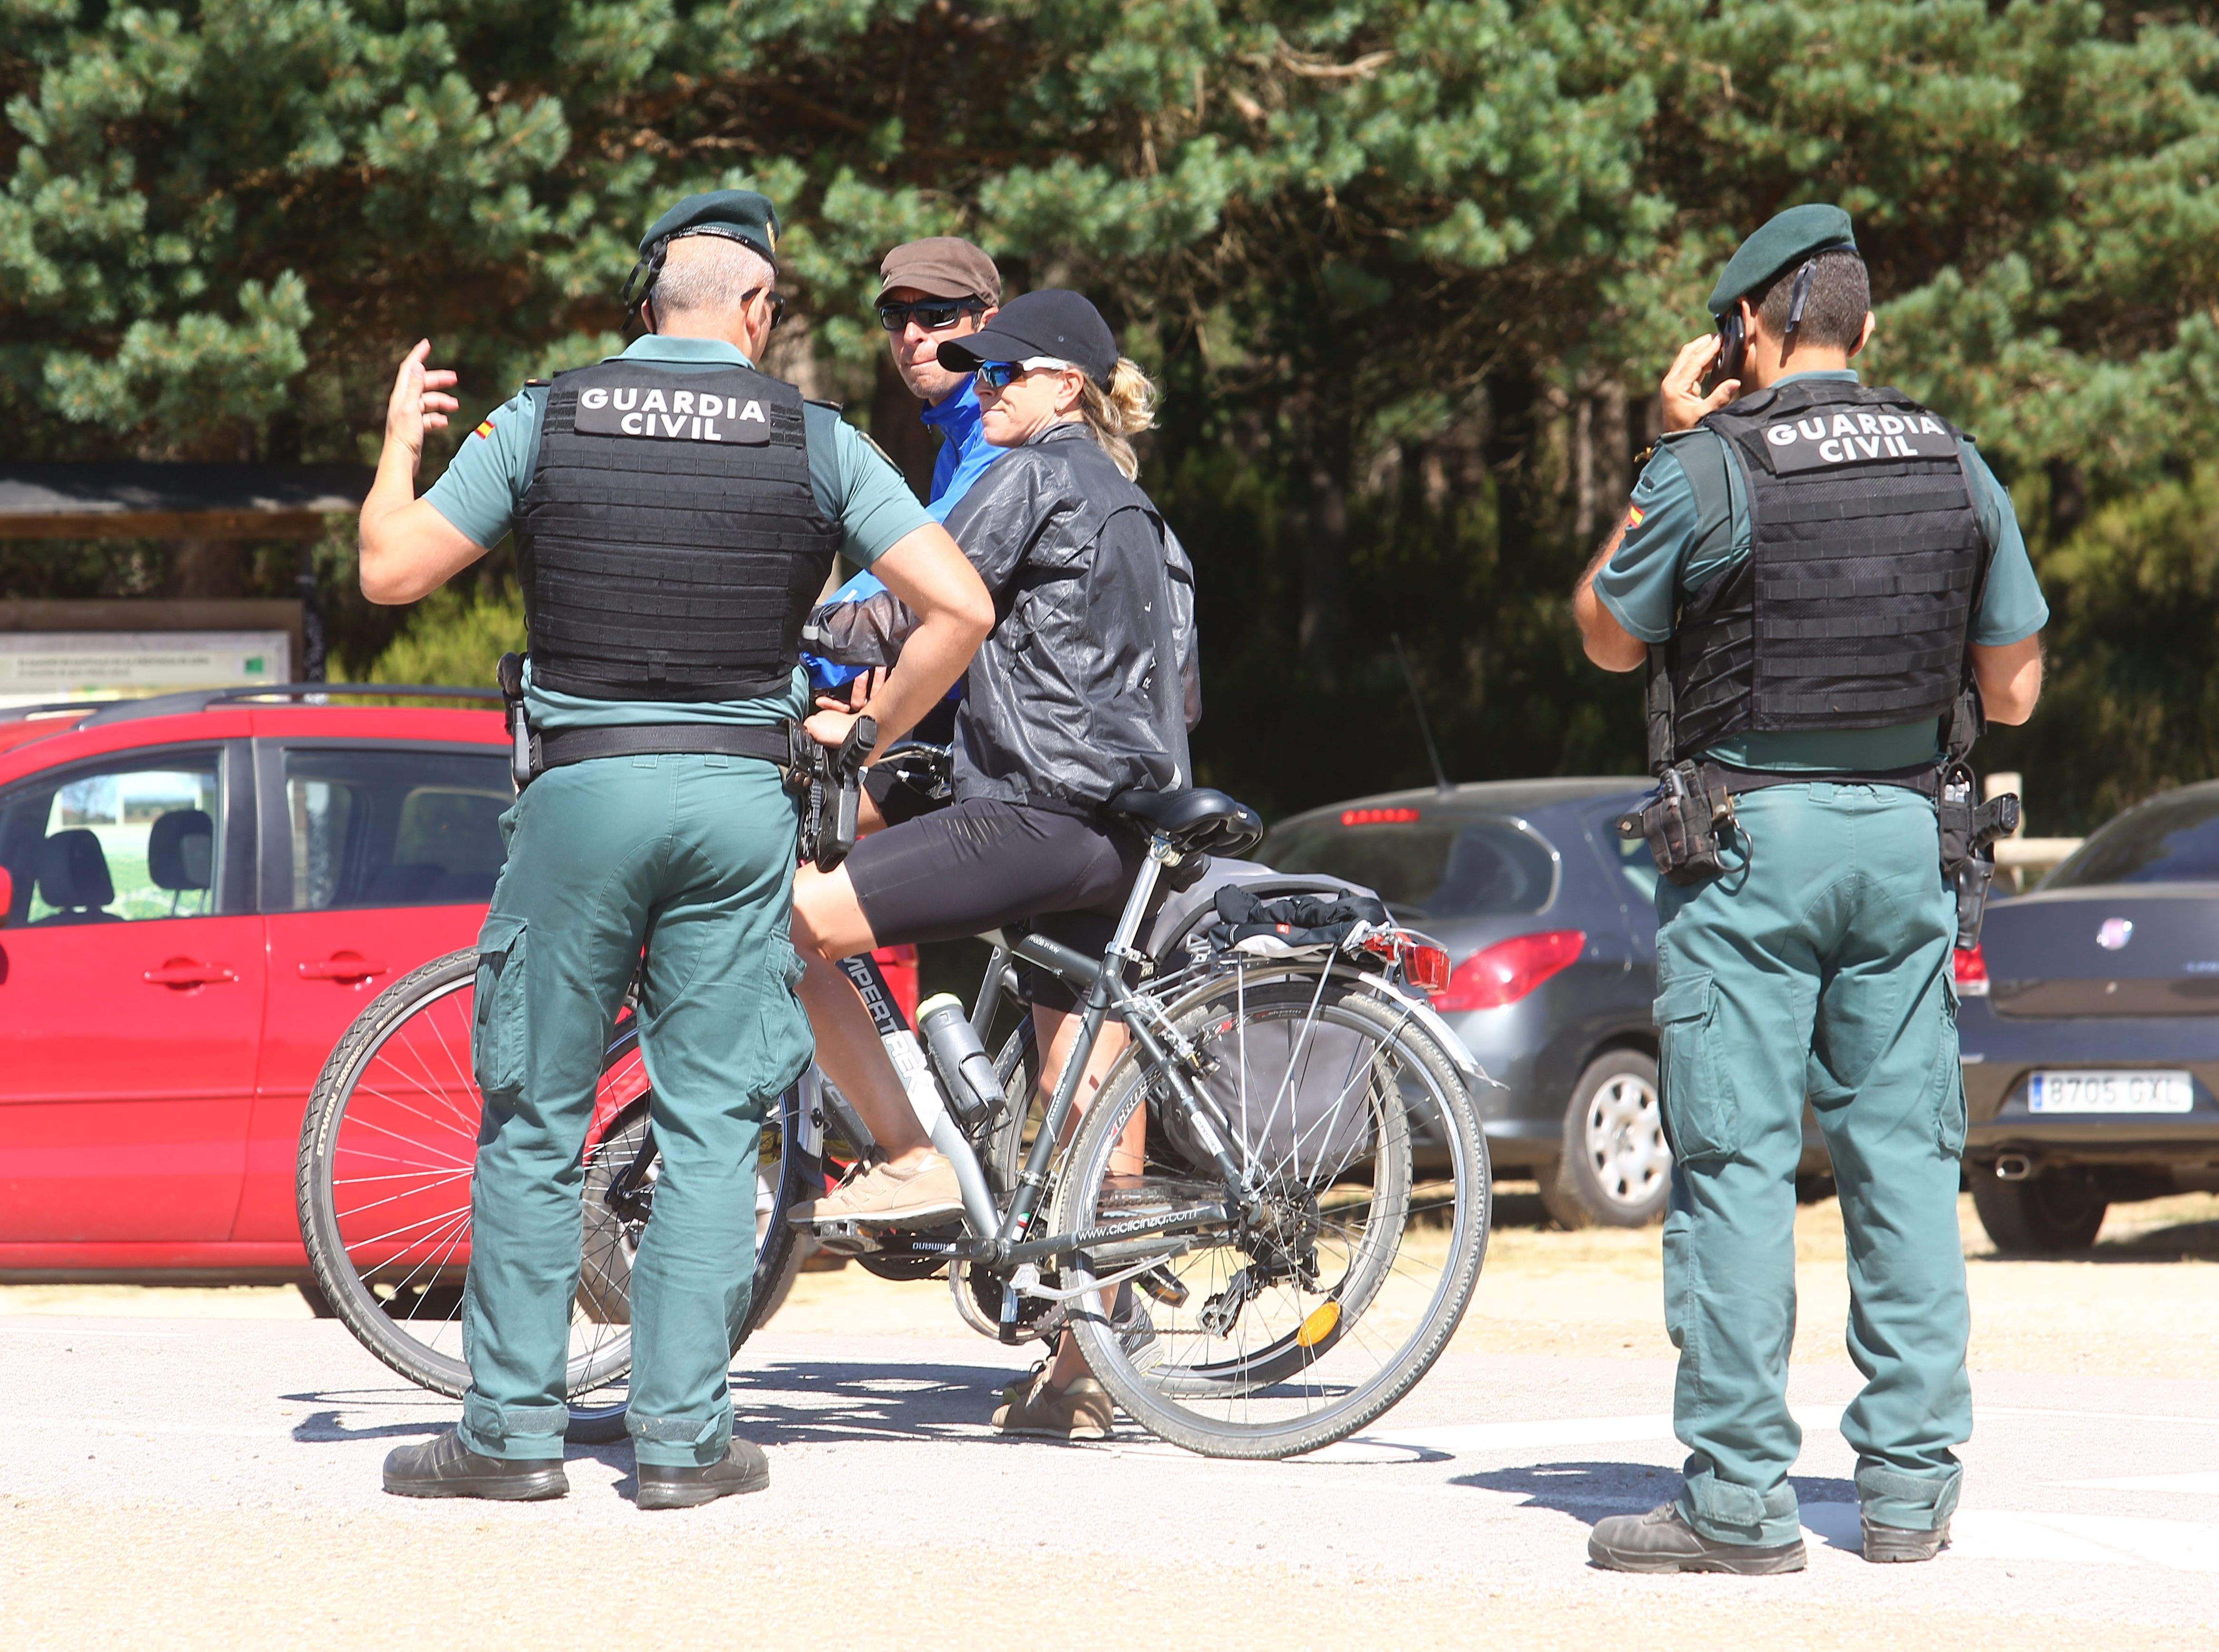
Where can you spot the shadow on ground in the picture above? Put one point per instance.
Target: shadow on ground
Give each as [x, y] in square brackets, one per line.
[2196, 1241]
[1588, 1491]
[794, 1402]
[805, 1401]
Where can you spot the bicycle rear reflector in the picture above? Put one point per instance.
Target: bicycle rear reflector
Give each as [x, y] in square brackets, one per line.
[1425, 967]
[1507, 971]
[1321, 1324]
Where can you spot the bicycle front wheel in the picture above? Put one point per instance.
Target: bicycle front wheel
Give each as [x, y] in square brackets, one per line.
[388, 1146]
[1313, 1314]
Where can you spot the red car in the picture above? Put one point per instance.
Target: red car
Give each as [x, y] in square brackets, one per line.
[198, 893]
[201, 893]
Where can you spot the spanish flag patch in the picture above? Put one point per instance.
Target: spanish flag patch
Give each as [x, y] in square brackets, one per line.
[1632, 518]
[485, 429]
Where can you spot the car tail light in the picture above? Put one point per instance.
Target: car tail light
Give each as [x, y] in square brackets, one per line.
[1507, 971]
[1972, 971]
[1378, 816]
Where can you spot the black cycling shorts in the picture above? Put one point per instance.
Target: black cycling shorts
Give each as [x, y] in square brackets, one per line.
[982, 863]
[895, 798]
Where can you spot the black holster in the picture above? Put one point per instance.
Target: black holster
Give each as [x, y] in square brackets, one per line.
[509, 674]
[1969, 831]
[1683, 819]
[829, 785]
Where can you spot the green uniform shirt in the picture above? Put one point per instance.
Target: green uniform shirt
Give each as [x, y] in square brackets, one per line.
[485, 484]
[1673, 548]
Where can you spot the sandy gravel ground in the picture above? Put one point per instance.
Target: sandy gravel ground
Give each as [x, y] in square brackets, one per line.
[197, 1468]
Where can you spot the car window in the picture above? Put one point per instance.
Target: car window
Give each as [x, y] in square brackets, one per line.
[399, 827]
[134, 839]
[1424, 865]
[2168, 840]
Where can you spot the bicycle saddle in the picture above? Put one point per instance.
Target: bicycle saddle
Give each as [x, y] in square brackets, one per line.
[1198, 819]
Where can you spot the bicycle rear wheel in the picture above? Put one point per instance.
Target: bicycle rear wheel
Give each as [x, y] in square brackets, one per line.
[387, 1149]
[1279, 1334]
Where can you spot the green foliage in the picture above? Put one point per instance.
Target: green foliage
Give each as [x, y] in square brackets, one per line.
[2131, 706]
[458, 637]
[1408, 269]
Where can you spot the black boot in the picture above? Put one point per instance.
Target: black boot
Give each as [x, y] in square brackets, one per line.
[744, 1469]
[447, 1468]
[1662, 1541]
[1885, 1544]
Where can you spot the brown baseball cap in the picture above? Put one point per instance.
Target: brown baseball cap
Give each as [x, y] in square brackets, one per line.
[942, 266]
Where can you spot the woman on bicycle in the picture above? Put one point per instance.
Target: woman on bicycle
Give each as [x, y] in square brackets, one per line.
[1075, 697]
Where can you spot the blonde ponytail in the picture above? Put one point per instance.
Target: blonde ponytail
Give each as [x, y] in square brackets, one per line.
[1119, 413]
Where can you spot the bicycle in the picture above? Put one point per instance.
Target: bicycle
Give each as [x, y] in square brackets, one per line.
[1306, 1227]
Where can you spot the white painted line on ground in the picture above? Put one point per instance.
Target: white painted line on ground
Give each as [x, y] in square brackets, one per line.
[2091, 1416]
[2088, 1540]
[2094, 1539]
[278, 1432]
[2206, 1482]
[1460, 1438]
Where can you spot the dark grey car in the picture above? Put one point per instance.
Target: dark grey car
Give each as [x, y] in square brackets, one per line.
[2090, 1025]
[1549, 922]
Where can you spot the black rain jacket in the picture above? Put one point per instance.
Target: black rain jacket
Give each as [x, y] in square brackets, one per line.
[1076, 695]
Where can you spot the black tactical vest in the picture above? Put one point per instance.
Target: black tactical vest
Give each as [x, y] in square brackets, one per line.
[1866, 555]
[670, 545]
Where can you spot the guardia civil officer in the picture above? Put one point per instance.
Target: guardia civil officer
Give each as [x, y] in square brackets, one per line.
[1812, 570]
[676, 510]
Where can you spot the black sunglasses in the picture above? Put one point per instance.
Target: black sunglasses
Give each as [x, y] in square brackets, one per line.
[932, 314]
[777, 304]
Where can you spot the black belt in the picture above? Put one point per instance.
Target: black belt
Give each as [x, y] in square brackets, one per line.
[556, 748]
[1924, 779]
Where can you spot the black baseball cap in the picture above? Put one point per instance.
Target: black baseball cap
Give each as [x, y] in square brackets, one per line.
[1053, 321]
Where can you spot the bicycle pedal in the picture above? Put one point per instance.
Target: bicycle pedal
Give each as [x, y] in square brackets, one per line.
[844, 1239]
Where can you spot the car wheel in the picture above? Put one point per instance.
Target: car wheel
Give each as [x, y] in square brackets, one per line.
[2048, 1215]
[1616, 1169]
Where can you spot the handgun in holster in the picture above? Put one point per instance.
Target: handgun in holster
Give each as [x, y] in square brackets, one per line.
[1682, 820]
[522, 764]
[1969, 831]
[829, 785]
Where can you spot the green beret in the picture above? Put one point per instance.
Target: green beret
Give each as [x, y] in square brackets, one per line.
[1790, 238]
[737, 214]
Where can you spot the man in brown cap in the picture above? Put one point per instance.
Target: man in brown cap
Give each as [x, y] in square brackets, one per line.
[930, 292]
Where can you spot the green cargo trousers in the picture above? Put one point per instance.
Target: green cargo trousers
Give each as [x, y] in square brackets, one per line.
[691, 857]
[1821, 968]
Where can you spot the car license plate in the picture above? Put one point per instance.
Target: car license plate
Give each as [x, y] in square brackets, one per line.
[2150, 1090]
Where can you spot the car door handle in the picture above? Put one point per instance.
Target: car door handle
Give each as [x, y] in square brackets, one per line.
[342, 967]
[189, 972]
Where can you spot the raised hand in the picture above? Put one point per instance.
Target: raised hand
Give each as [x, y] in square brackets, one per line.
[420, 401]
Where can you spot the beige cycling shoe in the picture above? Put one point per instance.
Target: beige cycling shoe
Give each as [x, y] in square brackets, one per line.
[1081, 1412]
[885, 1193]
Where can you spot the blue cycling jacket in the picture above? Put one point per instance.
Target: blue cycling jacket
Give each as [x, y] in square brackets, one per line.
[964, 453]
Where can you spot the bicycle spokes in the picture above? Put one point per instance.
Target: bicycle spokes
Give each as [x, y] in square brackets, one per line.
[1355, 1245]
